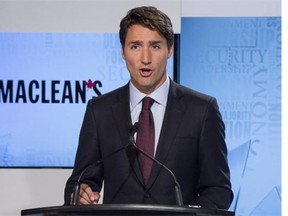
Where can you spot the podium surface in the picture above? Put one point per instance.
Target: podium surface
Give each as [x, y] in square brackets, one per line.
[124, 209]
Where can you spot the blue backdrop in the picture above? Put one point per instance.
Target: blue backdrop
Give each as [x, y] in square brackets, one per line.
[238, 60]
[46, 80]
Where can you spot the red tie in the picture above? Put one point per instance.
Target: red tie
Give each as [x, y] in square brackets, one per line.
[146, 137]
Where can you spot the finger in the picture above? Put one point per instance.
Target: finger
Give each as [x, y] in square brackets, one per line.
[97, 197]
[84, 201]
[84, 197]
[89, 194]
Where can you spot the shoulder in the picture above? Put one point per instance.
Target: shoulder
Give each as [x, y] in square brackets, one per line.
[113, 95]
[190, 95]
[110, 98]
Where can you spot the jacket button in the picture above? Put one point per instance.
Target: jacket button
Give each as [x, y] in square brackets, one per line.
[146, 195]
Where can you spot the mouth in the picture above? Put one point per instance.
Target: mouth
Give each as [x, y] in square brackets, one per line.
[145, 72]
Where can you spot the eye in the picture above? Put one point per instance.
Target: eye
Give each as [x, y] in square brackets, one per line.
[156, 47]
[134, 46]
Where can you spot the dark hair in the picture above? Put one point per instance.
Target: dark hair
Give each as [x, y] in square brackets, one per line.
[149, 17]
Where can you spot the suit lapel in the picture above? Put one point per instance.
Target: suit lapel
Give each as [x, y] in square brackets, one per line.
[172, 119]
[122, 116]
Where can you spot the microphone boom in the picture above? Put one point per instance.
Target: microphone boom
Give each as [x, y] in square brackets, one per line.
[178, 193]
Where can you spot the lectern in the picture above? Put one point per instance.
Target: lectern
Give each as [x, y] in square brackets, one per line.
[125, 209]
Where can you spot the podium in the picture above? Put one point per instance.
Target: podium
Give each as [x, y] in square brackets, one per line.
[124, 209]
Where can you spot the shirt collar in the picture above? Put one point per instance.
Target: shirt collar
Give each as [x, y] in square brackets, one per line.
[160, 95]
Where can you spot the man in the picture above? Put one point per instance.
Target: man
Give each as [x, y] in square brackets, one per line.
[188, 134]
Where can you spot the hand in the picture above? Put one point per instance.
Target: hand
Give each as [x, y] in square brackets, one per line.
[87, 196]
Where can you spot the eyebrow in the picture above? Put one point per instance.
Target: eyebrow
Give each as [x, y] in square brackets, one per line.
[155, 42]
[141, 42]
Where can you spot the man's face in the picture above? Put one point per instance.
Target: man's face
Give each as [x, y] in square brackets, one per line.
[146, 54]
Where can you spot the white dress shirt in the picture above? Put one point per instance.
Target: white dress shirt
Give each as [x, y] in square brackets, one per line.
[160, 97]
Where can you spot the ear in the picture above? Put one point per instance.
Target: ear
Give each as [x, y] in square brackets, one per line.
[123, 54]
[170, 51]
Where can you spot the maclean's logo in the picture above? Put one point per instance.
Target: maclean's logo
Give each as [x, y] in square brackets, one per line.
[54, 91]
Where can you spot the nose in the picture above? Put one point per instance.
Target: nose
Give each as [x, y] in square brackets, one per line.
[146, 56]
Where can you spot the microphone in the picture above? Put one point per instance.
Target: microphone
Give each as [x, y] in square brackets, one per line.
[177, 188]
[76, 188]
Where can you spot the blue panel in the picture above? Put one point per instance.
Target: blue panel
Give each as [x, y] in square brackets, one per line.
[238, 60]
[46, 80]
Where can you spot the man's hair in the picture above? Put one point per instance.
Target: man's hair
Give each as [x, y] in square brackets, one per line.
[149, 17]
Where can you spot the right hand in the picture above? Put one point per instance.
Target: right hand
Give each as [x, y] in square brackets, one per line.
[87, 196]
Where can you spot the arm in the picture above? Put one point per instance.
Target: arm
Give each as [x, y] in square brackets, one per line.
[214, 187]
[87, 154]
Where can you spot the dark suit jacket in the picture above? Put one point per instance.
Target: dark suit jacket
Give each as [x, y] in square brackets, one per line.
[191, 144]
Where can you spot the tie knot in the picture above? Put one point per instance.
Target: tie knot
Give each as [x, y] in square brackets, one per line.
[147, 102]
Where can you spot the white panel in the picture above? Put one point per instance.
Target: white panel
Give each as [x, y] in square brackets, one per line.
[75, 15]
[230, 8]
[31, 188]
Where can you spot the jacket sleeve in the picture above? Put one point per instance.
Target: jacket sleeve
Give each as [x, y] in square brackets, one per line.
[214, 187]
[87, 156]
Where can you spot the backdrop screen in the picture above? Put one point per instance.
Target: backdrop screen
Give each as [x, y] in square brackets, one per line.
[46, 80]
[238, 60]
